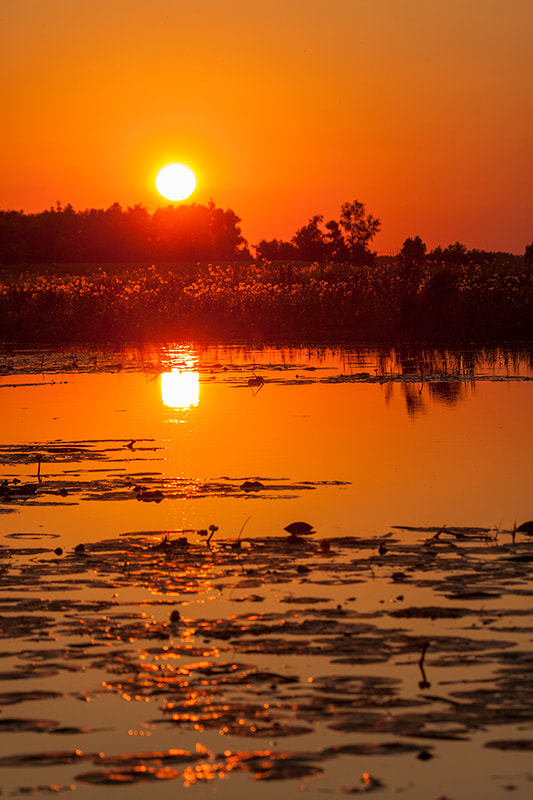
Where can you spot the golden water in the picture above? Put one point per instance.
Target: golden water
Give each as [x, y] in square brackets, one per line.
[420, 439]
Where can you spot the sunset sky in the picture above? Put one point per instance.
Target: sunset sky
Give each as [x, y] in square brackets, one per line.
[284, 109]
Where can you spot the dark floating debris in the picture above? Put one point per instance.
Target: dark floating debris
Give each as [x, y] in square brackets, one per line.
[299, 529]
[150, 496]
[125, 776]
[424, 683]
[13, 698]
[526, 527]
[114, 457]
[521, 745]
[474, 595]
[252, 486]
[46, 759]
[17, 490]
[114, 619]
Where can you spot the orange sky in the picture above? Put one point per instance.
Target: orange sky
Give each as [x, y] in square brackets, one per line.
[285, 109]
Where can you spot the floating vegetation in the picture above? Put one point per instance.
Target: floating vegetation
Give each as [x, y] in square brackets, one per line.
[526, 527]
[70, 487]
[13, 698]
[236, 645]
[524, 745]
[299, 529]
[201, 674]
[444, 370]
[290, 657]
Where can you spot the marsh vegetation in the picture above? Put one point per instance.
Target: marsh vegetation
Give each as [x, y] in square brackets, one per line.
[388, 301]
[186, 271]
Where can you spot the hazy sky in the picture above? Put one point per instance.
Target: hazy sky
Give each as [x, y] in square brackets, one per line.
[422, 110]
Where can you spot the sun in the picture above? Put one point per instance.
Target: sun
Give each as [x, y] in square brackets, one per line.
[175, 181]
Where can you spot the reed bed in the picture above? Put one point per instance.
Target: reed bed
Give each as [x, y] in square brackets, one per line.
[269, 301]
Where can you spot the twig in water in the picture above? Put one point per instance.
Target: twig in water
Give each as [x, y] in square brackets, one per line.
[237, 542]
[424, 683]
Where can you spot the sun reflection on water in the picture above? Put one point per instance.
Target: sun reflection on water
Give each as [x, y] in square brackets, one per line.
[180, 389]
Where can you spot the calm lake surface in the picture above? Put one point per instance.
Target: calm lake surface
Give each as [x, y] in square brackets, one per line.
[378, 450]
[418, 439]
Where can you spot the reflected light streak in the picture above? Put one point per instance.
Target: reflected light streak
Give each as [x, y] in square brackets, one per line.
[180, 389]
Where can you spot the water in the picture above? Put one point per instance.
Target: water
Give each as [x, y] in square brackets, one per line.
[446, 447]
[375, 449]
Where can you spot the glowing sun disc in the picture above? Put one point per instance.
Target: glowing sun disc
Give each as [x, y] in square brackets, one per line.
[175, 181]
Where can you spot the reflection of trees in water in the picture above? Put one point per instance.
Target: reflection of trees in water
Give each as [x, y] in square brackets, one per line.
[449, 392]
[414, 401]
[403, 359]
[433, 374]
[416, 394]
[415, 360]
[511, 361]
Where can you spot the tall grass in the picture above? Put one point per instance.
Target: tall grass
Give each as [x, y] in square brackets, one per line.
[269, 301]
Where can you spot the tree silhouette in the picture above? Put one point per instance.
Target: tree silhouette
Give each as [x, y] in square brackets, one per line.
[413, 253]
[336, 246]
[225, 234]
[456, 253]
[176, 233]
[312, 243]
[528, 255]
[276, 250]
[309, 240]
[360, 228]
[412, 262]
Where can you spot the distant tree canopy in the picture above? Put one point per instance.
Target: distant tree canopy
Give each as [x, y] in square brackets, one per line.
[276, 250]
[345, 241]
[414, 256]
[413, 253]
[359, 228]
[205, 233]
[175, 233]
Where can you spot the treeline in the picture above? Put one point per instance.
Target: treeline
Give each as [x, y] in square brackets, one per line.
[327, 244]
[205, 233]
[176, 233]
[336, 242]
